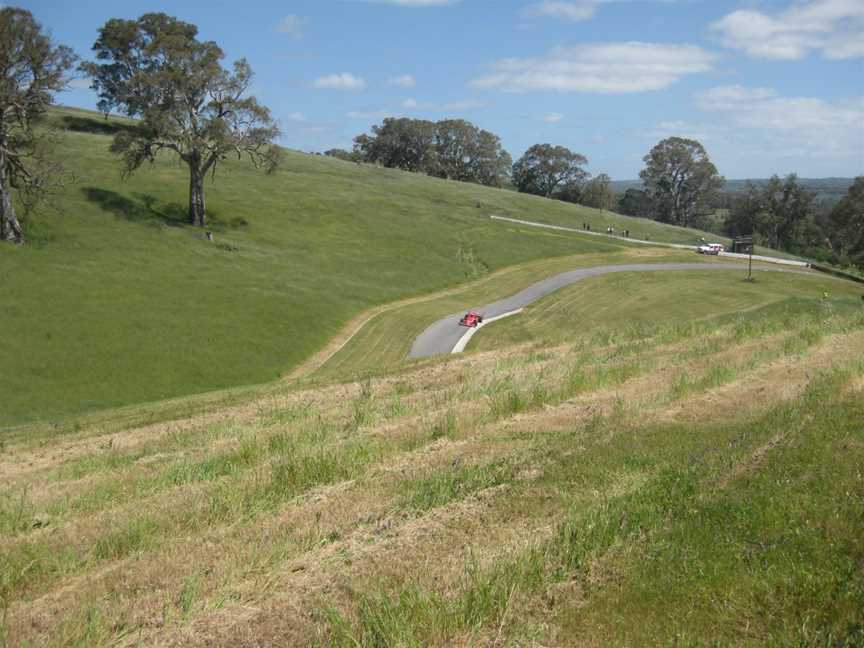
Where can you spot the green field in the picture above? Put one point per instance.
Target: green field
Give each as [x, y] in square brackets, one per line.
[115, 301]
[663, 458]
[688, 482]
[627, 303]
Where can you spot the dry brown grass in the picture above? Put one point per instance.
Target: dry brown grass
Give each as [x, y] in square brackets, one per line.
[263, 580]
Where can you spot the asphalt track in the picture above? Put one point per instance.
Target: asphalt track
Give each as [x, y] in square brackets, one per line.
[444, 335]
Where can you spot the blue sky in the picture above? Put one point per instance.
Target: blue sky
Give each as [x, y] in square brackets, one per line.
[767, 86]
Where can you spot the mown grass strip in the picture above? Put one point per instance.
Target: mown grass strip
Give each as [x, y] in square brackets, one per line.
[683, 526]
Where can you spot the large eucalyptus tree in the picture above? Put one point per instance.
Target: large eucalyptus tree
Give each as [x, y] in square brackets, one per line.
[155, 69]
[32, 68]
[680, 178]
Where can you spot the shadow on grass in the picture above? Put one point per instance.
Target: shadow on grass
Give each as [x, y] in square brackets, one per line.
[142, 209]
[94, 126]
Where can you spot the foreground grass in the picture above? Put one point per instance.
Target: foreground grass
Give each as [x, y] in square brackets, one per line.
[769, 556]
[549, 495]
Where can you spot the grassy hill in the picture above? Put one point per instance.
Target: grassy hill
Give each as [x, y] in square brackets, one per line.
[682, 482]
[652, 459]
[627, 304]
[116, 301]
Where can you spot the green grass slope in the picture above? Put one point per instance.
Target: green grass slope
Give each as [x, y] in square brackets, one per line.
[631, 303]
[117, 301]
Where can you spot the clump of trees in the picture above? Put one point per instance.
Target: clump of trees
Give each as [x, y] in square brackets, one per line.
[342, 154]
[784, 215]
[598, 193]
[453, 149]
[636, 202]
[777, 211]
[155, 69]
[845, 225]
[551, 171]
[32, 68]
[680, 180]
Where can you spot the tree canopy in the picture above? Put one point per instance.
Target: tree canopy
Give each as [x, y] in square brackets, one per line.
[846, 221]
[777, 212]
[32, 68]
[156, 69]
[598, 193]
[545, 169]
[454, 149]
[680, 178]
[636, 202]
[400, 143]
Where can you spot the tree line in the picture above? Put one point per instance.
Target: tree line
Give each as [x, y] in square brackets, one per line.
[154, 69]
[681, 186]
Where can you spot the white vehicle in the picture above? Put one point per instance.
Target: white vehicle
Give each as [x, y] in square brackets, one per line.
[711, 248]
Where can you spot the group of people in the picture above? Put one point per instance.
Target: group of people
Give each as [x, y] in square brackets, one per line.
[609, 230]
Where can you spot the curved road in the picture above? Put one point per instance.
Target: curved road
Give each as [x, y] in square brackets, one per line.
[445, 334]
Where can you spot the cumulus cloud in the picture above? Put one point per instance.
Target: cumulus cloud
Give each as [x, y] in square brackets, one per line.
[292, 26]
[403, 81]
[603, 68]
[553, 118]
[755, 128]
[344, 81]
[764, 108]
[297, 117]
[833, 27]
[573, 11]
[410, 103]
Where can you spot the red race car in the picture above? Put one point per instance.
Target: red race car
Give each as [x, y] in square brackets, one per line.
[471, 318]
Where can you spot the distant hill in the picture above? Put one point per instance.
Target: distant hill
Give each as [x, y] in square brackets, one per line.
[826, 189]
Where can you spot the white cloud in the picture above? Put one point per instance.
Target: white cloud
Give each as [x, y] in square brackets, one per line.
[409, 103]
[807, 117]
[573, 11]
[603, 68]
[833, 27]
[297, 117]
[404, 81]
[750, 130]
[292, 26]
[553, 118]
[344, 81]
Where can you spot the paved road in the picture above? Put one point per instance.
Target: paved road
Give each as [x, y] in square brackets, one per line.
[444, 335]
[731, 255]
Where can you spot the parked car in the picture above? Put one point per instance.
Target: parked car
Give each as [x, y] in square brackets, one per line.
[471, 318]
[711, 248]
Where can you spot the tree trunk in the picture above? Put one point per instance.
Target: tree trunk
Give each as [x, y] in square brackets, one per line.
[197, 211]
[10, 228]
